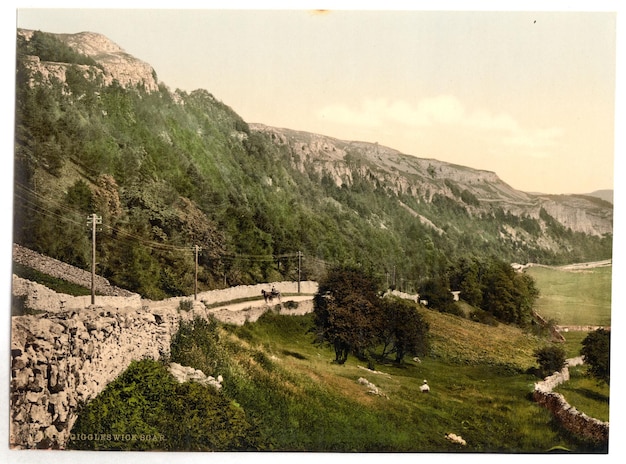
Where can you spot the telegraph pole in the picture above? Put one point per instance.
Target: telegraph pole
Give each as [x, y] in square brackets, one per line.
[195, 287]
[299, 269]
[93, 220]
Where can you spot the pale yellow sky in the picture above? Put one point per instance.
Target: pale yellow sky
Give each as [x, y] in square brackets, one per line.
[527, 95]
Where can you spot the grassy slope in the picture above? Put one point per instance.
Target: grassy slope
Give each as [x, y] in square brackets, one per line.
[303, 401]
[578, 297]
[586, 394]
[478, 392]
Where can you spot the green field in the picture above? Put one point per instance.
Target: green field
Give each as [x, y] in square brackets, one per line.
[296, 399]
[574, 297]
[586, 393]
[299, 400]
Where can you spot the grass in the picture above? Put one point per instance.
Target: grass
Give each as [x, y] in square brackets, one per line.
[484, 397]
[574, 297]
[299, 400]
[481, 385]
[458, 340]
[53, 283]
[589, 395]
[573, 343]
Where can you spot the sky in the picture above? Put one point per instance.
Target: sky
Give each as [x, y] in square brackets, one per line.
[529, 95]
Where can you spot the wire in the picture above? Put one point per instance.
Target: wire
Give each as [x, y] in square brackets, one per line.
[119, 234]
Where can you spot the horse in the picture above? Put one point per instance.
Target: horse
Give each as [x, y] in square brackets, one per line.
[269, 296]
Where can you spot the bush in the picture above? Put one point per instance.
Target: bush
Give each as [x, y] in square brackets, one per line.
[147, 409]
[597, 352]
[551, 359]
[291, 304]
[483, 317]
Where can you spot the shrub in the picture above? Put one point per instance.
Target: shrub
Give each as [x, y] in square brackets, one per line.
[550, 359]
[291, 304]
[597, 352]
[147, 409]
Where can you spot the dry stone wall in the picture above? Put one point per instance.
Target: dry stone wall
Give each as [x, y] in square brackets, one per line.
[40, 298]
[63, 358]
[61, 270]
[568, 416]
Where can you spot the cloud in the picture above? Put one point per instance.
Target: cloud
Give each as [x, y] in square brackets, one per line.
[536, 143]
[449, 113]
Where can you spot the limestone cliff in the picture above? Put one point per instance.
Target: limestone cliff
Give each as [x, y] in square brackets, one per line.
[114, 63]
[424, 178]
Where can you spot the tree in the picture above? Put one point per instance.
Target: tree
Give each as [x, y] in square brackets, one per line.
[464, 277]
[597, 352]
[550, 359]
[437, 292]
[404, 329]
[347, 312]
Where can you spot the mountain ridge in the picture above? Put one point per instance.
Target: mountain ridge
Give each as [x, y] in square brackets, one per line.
[565, 208]
[170, 169]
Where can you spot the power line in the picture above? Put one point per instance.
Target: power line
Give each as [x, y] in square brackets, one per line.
[120, 234]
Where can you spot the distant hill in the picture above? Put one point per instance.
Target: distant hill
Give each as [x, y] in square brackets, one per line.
[606, 195]
[96, 132]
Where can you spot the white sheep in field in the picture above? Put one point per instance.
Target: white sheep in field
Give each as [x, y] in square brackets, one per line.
[424, 388]
[454, 438]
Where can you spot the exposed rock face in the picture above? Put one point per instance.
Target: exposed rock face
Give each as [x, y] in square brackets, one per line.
[579, 214]
[118, 65]
[424, 178]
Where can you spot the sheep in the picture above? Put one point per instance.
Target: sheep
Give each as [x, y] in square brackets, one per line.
[454, 438]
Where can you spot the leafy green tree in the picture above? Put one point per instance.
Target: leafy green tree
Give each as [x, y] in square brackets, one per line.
[347, 312]
[465, 278]
[507, 295]
[550, 359]
[597, 352]
[188, 169]
[404, 330]
[437, 292]
[79, 196]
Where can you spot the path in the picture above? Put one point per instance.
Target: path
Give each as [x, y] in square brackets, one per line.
[239, 313]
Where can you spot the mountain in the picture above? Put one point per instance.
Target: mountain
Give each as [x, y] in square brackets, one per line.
[96, 132]
[110, 61]
[425, 178]
[606, 195]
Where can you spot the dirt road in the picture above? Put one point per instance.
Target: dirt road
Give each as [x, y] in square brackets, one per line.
[239, 313]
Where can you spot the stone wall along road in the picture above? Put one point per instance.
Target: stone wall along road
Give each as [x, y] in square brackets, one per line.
[62, 358]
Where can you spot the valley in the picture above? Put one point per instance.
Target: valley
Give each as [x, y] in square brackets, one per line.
[190, 198]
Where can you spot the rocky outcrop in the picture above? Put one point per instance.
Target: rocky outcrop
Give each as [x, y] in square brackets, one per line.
[189, 374]
[116, 65]
[424, 178]
[579, 213]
